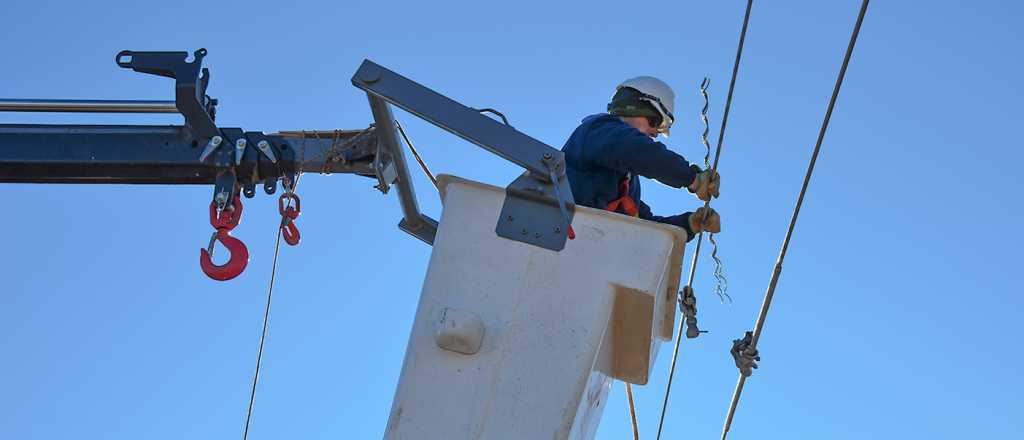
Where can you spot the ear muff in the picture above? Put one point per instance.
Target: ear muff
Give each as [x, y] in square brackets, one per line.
[627, 102]
[631, 102]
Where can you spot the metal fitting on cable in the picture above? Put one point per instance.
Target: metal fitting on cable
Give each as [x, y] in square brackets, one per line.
[744, 355]
[688, 307]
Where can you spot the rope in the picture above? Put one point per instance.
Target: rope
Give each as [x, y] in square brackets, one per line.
[331, 149]
[718, 153]
[796, 212]
[632, 411]
[416, 154]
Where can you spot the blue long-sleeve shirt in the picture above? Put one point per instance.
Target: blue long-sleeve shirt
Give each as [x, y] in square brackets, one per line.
[603, 150]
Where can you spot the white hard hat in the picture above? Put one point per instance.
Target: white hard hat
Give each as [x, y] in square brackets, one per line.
[658, 94]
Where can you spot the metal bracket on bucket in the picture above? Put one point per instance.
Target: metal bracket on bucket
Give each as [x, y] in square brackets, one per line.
[530, 213]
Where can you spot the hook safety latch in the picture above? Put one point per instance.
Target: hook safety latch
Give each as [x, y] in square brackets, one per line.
[224, 222]
[290, 207]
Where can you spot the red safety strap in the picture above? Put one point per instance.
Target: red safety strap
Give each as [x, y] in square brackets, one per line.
[625, 202]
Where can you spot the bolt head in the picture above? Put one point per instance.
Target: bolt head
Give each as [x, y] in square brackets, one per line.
[263, 144]
[371, 74]
[240, 143]
[216, 140]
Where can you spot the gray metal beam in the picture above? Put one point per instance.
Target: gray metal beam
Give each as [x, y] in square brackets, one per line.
[414, 222]
[141, 154]
[538, 207]
[462, 121]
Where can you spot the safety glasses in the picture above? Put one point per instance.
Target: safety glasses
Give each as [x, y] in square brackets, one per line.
[665, 120]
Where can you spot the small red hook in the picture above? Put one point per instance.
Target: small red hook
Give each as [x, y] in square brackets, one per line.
[224, 223]
[235, 265]
[288, 216]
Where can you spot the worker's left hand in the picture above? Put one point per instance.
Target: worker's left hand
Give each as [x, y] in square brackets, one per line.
[712, 224]
[705, 185]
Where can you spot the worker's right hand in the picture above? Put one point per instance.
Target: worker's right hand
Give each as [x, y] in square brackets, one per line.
[712, 224]
[705, 185]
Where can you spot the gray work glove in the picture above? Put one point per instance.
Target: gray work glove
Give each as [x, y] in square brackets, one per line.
[712, 224]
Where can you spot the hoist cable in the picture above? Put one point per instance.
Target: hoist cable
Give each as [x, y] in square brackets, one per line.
[263, 336]
[416, 154]
[696, 253]
[796, 212]
[266, 309]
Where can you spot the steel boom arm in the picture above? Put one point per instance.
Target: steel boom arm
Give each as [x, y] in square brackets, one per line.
[236, 161]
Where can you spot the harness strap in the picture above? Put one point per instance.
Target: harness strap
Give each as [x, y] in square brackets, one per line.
[624, 202]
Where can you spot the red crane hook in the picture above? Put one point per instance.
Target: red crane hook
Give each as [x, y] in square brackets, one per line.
[224, 222]
[235, 265]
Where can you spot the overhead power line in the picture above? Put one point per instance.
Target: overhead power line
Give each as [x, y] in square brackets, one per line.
[700, 237]
[796, 212]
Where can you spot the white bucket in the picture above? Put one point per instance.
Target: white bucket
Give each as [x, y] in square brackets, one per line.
[513, 341]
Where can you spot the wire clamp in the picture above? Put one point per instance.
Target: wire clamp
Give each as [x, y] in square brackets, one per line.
[745, 356]
[688, 307]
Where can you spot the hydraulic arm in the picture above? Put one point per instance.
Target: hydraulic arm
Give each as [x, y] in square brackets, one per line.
[537, 210]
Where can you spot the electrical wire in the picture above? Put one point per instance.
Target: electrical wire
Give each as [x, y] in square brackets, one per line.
[770, 293]
[718, 153]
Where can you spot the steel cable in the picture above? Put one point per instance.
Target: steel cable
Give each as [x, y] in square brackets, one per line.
[266, 310]
[769, 294]
[263, 336]
[718, 153]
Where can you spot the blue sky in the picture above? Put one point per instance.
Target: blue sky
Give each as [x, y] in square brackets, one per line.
[895, 316]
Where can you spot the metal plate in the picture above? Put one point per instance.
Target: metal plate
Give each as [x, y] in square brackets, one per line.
[530, 213]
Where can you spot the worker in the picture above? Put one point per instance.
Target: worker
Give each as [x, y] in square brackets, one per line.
[608, 152]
